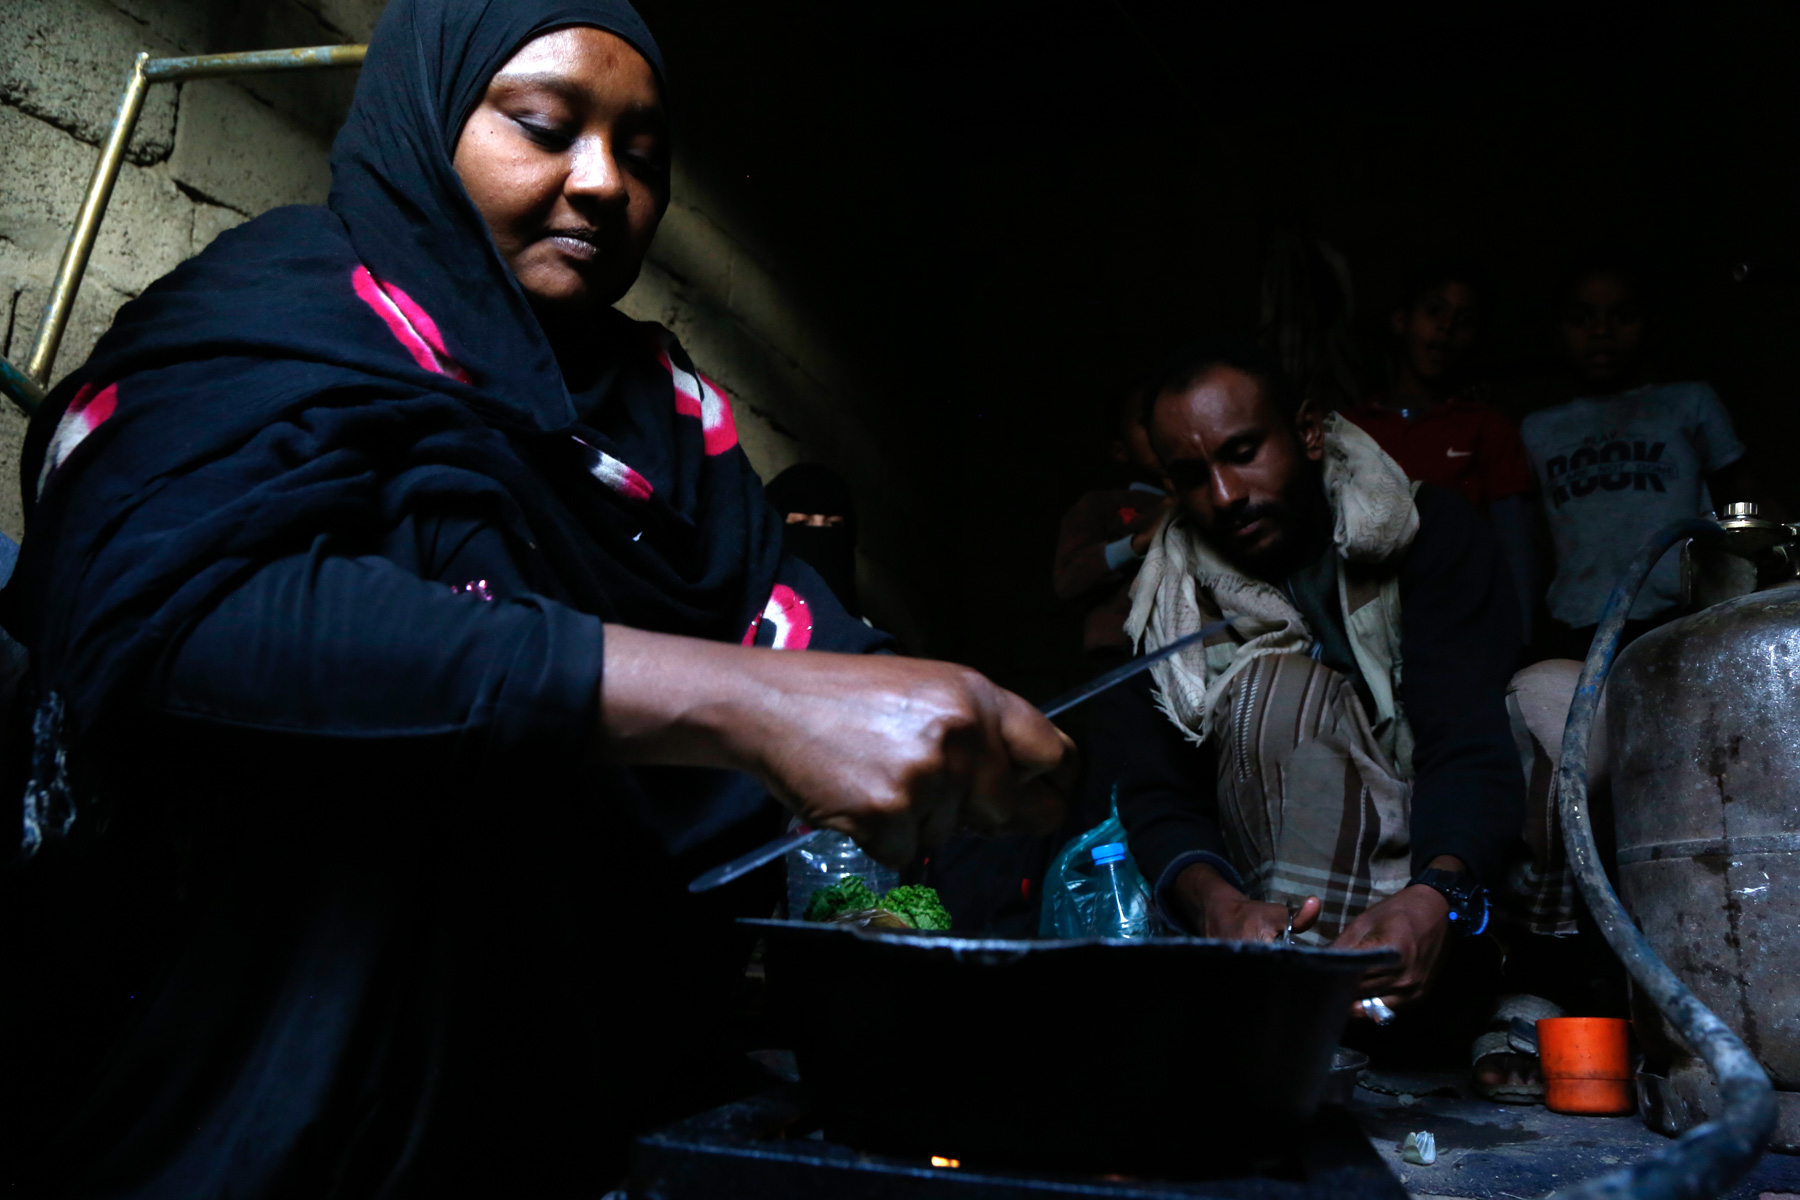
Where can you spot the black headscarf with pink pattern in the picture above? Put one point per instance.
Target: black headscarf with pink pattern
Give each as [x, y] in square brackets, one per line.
[395, 187]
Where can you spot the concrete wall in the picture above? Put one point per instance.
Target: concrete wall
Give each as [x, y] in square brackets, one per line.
[208, 155]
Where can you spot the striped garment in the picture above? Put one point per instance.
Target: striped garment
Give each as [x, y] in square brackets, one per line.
[1309, 805]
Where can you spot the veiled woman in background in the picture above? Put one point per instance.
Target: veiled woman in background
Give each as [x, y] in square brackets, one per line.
[402, 623]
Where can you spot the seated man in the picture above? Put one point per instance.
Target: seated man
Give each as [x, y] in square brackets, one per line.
[1343, 757]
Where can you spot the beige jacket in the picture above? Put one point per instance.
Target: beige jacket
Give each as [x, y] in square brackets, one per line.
[1184, 583]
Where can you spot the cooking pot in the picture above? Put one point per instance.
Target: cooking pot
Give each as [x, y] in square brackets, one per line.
[1093, 1054]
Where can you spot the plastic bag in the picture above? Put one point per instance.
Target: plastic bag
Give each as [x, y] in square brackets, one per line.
[1075, 889]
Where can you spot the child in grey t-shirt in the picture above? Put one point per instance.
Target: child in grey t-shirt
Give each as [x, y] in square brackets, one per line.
[1615, 466]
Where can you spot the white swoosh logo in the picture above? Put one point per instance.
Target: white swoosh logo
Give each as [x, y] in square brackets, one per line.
[1460, 453]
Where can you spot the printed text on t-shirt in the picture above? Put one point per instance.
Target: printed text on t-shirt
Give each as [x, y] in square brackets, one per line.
[1609, 462]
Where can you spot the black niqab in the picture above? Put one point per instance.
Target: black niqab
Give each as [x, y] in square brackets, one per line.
[814, 489]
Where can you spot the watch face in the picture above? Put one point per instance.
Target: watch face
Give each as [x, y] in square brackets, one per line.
[1473, 917]
[1469, 911]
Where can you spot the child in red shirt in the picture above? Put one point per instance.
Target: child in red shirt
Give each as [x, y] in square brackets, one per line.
[1441, 436]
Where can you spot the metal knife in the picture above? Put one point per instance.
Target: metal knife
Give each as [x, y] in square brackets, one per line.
[801, 834]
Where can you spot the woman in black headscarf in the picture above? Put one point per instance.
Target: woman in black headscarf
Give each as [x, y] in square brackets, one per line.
[819, 517]
[400, 619]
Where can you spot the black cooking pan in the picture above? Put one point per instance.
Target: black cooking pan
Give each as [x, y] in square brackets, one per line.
[1167, 1055]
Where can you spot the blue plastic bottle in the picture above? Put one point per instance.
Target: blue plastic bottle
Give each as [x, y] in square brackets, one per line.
[1124, 907]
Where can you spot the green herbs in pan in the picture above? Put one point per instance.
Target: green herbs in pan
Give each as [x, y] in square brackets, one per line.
[852, 902]
[849, 896]
[917, 906]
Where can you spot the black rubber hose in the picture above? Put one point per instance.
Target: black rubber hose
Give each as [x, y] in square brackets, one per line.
[1709, 1158]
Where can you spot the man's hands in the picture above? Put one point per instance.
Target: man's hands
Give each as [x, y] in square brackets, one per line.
[898, 753]
[1215, 909]
[1413, 921]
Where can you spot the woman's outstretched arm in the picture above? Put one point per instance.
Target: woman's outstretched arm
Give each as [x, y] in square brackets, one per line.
[350, 650]
[899, 753]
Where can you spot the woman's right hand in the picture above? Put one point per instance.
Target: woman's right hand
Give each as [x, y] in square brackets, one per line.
[898, 753]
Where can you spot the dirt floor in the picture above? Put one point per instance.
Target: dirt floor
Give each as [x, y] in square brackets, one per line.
[1490, 1151]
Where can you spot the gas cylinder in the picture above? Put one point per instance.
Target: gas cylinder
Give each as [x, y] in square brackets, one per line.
[1703, 728]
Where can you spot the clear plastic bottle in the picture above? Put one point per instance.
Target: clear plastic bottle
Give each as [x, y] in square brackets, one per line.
[831, 858]
[1124, 907]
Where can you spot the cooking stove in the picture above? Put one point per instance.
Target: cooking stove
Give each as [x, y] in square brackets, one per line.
[770, 1146]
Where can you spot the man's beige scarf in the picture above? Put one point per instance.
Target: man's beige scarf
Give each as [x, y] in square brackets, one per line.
[1184, 582]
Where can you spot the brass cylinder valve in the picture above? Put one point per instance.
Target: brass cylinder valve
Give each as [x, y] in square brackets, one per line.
[1750, 536]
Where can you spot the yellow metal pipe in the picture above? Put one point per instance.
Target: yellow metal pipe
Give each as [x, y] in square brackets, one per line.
[206, 66]
[144, 71]
[87, 228]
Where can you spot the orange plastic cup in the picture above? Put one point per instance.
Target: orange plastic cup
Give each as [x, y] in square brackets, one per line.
[1587, 1065]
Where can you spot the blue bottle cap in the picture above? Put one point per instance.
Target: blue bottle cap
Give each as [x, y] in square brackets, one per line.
[1112, 852]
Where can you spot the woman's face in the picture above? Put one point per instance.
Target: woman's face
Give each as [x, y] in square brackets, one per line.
[567, 157]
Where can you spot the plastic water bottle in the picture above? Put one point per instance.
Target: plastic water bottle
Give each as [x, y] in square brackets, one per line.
[1123, 910]
[831, 858]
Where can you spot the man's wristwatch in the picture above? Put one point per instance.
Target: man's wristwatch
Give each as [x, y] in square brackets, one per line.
[1468, 899]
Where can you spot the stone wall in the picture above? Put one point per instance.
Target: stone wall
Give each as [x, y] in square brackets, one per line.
[208, 155]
